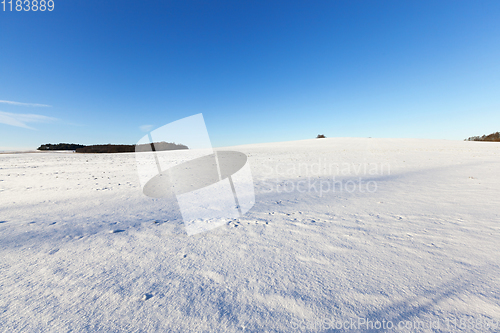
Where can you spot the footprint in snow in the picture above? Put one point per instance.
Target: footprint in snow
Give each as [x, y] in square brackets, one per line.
[234, 223]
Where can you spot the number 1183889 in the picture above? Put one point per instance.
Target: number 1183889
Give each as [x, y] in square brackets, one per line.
[27, 5]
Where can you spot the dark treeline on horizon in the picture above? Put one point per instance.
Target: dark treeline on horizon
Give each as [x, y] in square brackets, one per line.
[110, 148]
[494, 137]
[60, 146]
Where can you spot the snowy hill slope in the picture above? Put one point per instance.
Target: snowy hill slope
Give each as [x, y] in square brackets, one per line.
[345, 231]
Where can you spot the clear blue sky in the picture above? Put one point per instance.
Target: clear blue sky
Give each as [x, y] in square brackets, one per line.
[259, 71]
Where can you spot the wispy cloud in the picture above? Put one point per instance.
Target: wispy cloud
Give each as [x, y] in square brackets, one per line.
[146, 128]
[24, 104]
[21, 120]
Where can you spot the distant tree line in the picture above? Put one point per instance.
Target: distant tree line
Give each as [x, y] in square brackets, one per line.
[60, 146]
[109, 148]
[495, 137]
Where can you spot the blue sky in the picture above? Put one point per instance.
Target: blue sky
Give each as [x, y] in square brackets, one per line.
[259, 71]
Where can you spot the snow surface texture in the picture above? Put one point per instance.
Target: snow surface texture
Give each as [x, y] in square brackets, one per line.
[407, 232]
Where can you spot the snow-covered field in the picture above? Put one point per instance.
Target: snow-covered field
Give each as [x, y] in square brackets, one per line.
[346, 235]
